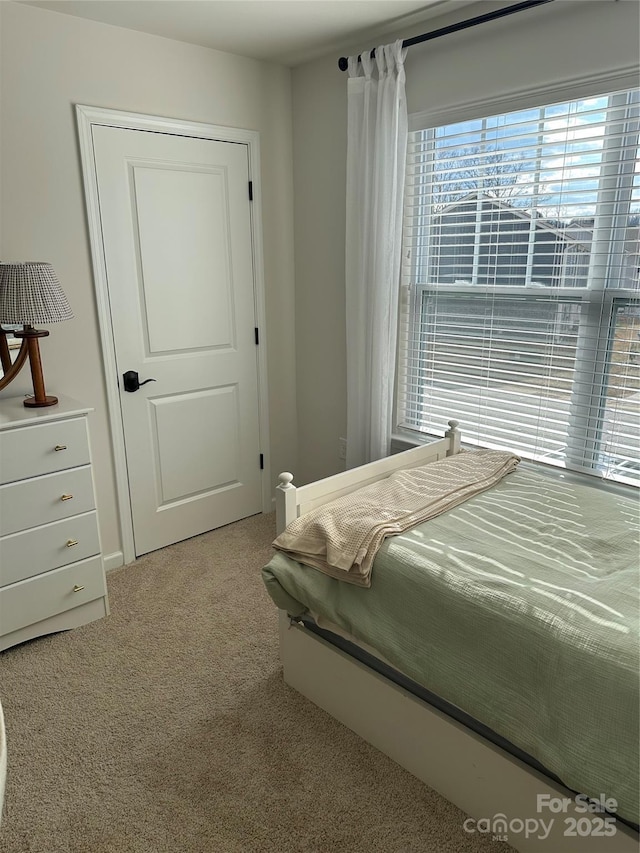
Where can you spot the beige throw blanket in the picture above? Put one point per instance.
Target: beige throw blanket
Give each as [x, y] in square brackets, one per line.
[341, 538]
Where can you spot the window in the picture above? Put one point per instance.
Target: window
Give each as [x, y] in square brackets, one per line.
[521, 283]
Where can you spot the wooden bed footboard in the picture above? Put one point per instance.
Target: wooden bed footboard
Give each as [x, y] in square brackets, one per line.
[293, 501]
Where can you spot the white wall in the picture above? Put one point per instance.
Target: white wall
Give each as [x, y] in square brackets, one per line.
[51, 61]
[562, 41]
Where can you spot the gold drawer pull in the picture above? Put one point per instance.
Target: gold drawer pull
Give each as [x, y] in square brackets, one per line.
[71, 543]
[60, 447]
[78, 588]
[66, 497]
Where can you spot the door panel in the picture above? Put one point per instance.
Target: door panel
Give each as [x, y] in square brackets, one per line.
[178, 253]
[195, 418]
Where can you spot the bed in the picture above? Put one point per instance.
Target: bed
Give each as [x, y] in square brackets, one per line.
[494, 656]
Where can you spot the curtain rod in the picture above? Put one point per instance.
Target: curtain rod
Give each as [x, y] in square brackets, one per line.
[455, 28]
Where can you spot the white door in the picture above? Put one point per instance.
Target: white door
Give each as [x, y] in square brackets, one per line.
[176, 230]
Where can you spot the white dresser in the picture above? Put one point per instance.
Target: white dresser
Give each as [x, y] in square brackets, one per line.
[51, 570]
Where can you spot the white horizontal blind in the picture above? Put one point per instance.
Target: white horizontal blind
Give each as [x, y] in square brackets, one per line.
[520, 313]
[619, 457]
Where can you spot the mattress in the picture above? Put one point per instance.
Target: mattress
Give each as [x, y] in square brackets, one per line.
[519, 607]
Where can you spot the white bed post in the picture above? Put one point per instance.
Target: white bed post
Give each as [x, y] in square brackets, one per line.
[453, 434]
[285, 501]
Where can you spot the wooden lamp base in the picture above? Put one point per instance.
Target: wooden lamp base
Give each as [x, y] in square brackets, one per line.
[40, 398]
[32, 403]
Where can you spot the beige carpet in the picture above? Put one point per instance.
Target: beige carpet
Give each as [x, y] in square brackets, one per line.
[167, 727]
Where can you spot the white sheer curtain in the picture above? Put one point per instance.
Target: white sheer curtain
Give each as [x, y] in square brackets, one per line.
[376, 157]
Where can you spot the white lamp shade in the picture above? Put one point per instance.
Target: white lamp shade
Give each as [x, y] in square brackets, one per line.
[30, 293]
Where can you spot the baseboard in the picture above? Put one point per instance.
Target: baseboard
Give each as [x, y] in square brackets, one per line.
[113, 561]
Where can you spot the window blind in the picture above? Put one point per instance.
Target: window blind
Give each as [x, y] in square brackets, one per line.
[520, 314]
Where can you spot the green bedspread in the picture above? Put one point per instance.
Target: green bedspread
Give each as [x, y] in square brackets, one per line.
[521, 608]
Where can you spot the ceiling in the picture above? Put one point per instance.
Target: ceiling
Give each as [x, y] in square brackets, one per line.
[286, 31]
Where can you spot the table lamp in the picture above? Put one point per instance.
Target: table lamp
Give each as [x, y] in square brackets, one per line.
[31, 293]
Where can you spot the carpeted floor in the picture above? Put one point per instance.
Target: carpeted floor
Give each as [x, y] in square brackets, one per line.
[168, 727]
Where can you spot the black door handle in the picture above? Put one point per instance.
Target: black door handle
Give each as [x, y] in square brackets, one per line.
[132, 382]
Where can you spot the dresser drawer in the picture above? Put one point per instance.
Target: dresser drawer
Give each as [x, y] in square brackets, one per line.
[38, 598]
[44, 499]
[51, 546]
[42, 449]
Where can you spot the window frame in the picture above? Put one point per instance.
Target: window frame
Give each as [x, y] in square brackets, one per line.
[598, 297]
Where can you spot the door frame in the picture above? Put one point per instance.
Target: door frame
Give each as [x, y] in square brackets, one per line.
[87, 118]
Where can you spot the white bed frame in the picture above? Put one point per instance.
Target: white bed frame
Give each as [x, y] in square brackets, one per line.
[480, 778]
